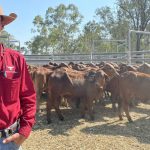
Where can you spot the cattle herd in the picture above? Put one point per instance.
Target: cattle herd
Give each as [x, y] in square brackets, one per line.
[80, 85]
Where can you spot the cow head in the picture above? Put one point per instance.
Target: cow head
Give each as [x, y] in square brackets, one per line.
[90, 76]
[97, 77]
[110, 70]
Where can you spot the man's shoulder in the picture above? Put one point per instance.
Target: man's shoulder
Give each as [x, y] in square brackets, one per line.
[13, 52]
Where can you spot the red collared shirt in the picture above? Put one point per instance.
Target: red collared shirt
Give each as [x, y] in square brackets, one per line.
[17, 94]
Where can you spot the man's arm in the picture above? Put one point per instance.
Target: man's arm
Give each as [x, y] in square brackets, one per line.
[27, 100]
[28, 106]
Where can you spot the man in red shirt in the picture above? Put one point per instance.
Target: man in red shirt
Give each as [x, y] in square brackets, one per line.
[17, 95]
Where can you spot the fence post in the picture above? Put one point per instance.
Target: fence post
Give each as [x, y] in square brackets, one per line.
[92, 50]
[129, 47]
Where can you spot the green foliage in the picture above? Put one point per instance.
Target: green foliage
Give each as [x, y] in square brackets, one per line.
[7, 39]
[4, 37]
[56, 31]
[137, 11]
[59, 31]
[91, 32]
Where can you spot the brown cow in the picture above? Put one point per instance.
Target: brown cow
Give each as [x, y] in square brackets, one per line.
[113, 88]
[145, 68]
[132, 86]
[32, 70]
[86, 86]
[124, 68]
[59, 85]
[40, 83]
[110, 70]
[111, 85]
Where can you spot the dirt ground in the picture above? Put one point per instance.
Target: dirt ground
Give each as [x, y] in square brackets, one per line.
[105, 133]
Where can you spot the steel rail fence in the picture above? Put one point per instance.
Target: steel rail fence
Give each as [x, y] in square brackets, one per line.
[136, 57]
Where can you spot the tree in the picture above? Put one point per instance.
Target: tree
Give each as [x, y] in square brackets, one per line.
[57, 30]
[91, 32]
[113, 26]
[106, 20]
[6, 38]
[137, 11]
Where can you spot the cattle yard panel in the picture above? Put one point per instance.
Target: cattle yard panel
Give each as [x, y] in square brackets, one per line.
[136, 56]
[95, 56]
[139, 56]
[110, 46]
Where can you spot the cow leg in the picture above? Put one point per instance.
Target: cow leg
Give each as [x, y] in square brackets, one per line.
[77, 103]
[83, 108]
[113, 105]
[90, 109]
[48, 108]
[37, 102]
[126, 109]
[57, 109]
[120, 110]
[113, 101]
[91, 113]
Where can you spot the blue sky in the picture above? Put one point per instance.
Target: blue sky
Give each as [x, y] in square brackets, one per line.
[28, 9]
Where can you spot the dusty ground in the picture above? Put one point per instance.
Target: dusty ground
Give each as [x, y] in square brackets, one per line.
[105, 133]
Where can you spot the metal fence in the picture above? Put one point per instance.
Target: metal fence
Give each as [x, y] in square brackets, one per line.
[125, 52]
[134, 57]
